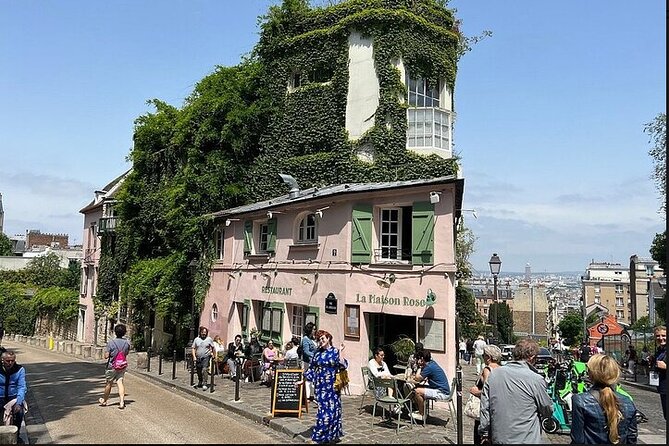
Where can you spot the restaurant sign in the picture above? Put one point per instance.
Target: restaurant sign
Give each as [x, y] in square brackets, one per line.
[403, 301]
[276, 290]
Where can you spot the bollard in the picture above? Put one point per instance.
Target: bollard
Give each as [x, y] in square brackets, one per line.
[458, 375]
[238, 378]
[174, 364]
[211, 368]
[148, 359]
[192, 372]
[160, 363]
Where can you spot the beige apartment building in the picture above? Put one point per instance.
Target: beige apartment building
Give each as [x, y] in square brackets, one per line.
[607, 285]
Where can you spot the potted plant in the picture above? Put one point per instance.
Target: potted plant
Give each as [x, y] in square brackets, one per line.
[403, 348]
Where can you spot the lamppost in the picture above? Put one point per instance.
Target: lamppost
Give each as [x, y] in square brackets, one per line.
[495, 265]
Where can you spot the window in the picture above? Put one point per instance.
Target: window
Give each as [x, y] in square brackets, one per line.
[297, 320]
[263, 236]
[597, 288]
[259, 236]
[619, 289]
[422, 93]
[620, 302]
[428, 124]
[244, 318]
[650, 270]
[405, 234]
[306, 232]
[620, 314]
[219, 235]
[272, 322]
[214, 312]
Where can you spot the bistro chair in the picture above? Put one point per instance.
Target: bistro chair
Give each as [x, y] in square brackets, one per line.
[395, 403]
[448, 400]
[368, 385]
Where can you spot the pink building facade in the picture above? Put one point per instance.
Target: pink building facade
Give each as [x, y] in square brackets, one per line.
[369, 263]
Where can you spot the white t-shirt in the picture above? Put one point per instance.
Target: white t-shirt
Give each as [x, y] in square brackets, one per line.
[463, 346]
[378, 370]
[479, 345]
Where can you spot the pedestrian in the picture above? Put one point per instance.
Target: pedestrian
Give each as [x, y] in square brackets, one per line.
[584, 355]
[660, 365]
[514, 398]
[470, 350]
[202, 349]
[631, 359]
[13, 390]
[322, 371]
[437, 384]
[462, 346]
[219, 355]
[602, 415]
[479, 344]
[492, 357]
[112, 375]
[308, 347]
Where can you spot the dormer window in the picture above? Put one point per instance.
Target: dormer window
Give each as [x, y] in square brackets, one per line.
[306, 232]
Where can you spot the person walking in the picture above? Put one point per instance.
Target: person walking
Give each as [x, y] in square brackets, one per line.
[112, 375]
[322, 371]
[462, 347]
[660, 365]
[202, 349]
[602, 415]
[492, 357]
[13, 389]
[308, 348]
[479, 344]
[631, 358]
[513, 399]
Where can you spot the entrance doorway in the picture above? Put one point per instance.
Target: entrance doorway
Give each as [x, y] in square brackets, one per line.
[384, 329]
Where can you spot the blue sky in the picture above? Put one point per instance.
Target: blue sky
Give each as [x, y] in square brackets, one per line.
[550, 113]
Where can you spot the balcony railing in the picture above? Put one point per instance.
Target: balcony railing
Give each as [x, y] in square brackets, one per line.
[107, 225]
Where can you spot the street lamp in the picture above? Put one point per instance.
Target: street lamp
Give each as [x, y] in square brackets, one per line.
[495, 265]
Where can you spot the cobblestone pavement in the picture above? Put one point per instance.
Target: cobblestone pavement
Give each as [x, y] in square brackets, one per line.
[360, 427]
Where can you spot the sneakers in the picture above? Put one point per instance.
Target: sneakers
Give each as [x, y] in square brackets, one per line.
[205, 387]
[417, 417]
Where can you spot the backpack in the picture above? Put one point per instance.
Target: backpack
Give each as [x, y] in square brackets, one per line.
[120, 362]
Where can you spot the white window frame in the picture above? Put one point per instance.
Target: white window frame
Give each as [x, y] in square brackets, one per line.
[214, 312]
[262, 237]
[306, 232]
[619, 288]
[297, 320]
[219, 236]
[384, 252]
[620, 302]
[620, 314]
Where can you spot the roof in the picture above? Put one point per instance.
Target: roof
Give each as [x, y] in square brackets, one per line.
[306, 195]
[106, 192]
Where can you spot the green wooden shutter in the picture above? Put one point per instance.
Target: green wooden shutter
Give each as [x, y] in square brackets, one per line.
[248, 236]
[271, 235]
[422, 239]
[361, 233]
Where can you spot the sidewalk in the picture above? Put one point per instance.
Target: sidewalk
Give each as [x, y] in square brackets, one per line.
[254, 404]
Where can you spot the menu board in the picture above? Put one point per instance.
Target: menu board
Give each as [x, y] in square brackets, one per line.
[432, 333]
[286, 396]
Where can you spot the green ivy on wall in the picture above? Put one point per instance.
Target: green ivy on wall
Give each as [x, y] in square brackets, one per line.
[241, 127]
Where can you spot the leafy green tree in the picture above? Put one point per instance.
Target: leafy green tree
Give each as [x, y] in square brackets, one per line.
[571, 328]
[471, 322]
[5, 245]
[657, 131]
[464, 247]
[504, 321]
[44, 271]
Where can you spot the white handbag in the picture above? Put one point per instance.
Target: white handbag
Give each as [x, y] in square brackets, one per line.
[473, 407]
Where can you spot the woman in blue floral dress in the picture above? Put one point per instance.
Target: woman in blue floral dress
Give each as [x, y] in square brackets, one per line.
[321, 372]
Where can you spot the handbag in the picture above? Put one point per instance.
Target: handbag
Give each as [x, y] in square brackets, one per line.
[473, 407]
[341, 380]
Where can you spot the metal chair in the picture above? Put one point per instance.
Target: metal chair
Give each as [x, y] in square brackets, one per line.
[448, 400]
[395, 403]
[368, 385]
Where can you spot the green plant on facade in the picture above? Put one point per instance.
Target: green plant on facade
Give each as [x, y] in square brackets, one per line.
[242, 126]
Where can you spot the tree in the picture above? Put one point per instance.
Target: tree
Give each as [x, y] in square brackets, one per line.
[5, 245]
[504, 321]
[464, 246]
[571, 328]
[657, 130]
[471, 322]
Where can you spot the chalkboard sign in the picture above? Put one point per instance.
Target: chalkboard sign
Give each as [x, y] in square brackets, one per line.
[286, 396]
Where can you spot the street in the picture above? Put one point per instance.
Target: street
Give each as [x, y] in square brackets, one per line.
[65, 391]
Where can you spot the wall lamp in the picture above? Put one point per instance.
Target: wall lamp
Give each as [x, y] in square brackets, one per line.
[305, 280]
[319, 212]
[265, 275]
[473, 211]
[230, 220]
[387, 280]
[270, 214]
[434, 197]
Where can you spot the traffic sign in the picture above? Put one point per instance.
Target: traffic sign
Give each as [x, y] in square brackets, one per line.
[603, 328]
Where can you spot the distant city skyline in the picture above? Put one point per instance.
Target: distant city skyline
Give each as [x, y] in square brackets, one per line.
[550, 112]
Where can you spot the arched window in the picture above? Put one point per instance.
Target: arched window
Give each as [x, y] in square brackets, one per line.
[214, 312]
[306, 232]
